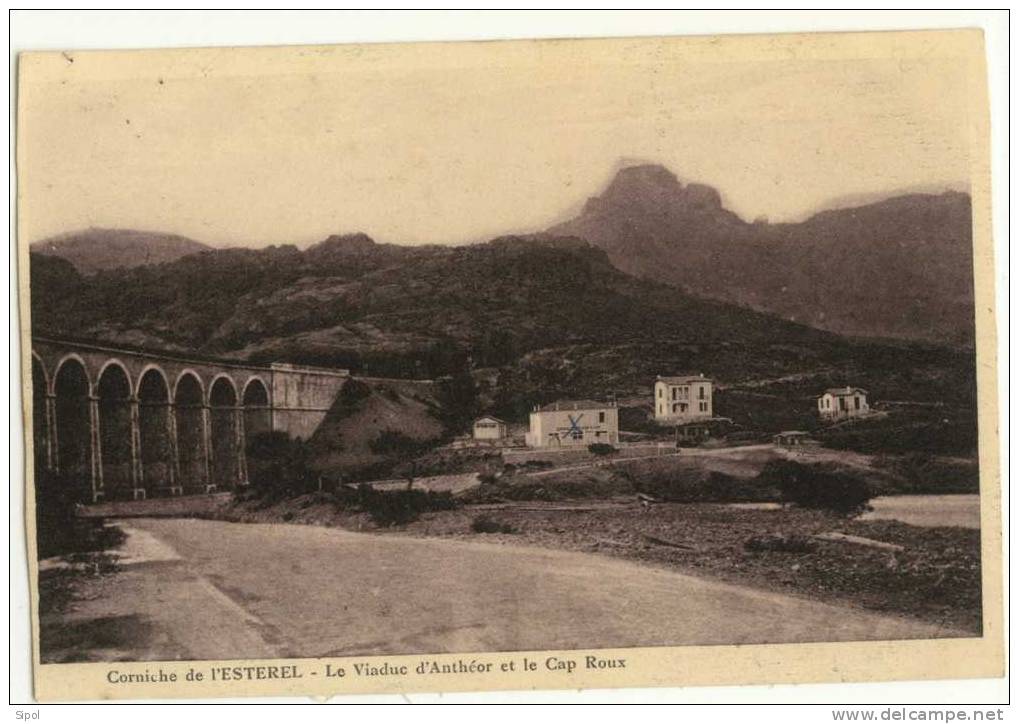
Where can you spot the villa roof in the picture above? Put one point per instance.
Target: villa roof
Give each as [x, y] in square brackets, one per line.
[489, 417]
[683, 379]
[842, 391]
[574, 405]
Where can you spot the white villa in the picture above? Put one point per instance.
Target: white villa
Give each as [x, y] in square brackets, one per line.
[573, 423]
[840, 403]
[683, 399]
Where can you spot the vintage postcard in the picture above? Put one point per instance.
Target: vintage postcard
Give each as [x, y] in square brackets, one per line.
[509, 365]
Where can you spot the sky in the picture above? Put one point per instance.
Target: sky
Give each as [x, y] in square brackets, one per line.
[451, 143]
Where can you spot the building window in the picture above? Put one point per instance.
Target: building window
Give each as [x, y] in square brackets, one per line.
[702, 392]
[704, 407]
[660, 393]
[601, 417]
[857, 399]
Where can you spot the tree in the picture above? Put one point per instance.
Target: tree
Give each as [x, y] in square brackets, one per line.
[458, 400]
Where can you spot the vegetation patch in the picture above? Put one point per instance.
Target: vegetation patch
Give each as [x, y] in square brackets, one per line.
[567, 485]
[485, 524]
[823, 487]
[279, 466]
[60, 587]
[394, 442]
[926, 474]
[59, 530]
[352, 392]
[389, 508]
[934, 431]
[678, 481]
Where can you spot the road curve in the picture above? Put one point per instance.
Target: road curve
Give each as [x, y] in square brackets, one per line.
[251, 590]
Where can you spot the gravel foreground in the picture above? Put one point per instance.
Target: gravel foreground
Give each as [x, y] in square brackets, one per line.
[935, 578]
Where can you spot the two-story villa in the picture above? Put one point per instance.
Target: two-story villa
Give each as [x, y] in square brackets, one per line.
[683, 399]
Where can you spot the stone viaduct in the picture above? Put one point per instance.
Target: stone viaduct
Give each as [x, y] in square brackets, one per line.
[128, 424]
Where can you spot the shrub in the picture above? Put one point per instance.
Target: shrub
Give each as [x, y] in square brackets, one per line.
[394, 442]
[353, 391]
[279, 467]
[484, 524]
[58, 529]
[571, 485]
[601, 448]
[716, 487]
[55, 499]
[400, 507]
[823, 487]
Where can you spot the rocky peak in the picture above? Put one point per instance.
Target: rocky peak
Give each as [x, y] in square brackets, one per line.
[653, 188]
[349, 243]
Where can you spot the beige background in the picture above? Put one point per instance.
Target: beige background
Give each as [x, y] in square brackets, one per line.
[963, 128]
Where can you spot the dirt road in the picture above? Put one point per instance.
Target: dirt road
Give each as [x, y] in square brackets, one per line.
[208, 589]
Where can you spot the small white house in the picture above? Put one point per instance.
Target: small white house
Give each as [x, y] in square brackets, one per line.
[683, 399]
[841, 403]
[573, 423]
[489, 428]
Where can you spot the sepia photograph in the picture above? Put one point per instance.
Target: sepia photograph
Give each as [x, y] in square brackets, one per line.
[367, 367]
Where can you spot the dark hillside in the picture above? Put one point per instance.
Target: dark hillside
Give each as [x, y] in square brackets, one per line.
[901, 267]
[350, 296]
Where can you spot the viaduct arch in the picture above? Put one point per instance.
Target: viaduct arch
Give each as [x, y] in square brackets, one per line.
[126, 423]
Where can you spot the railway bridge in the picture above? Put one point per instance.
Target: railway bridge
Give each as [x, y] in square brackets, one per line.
[128, 424]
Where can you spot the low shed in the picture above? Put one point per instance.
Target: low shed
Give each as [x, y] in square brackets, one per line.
[489, 428]
[791, 437]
